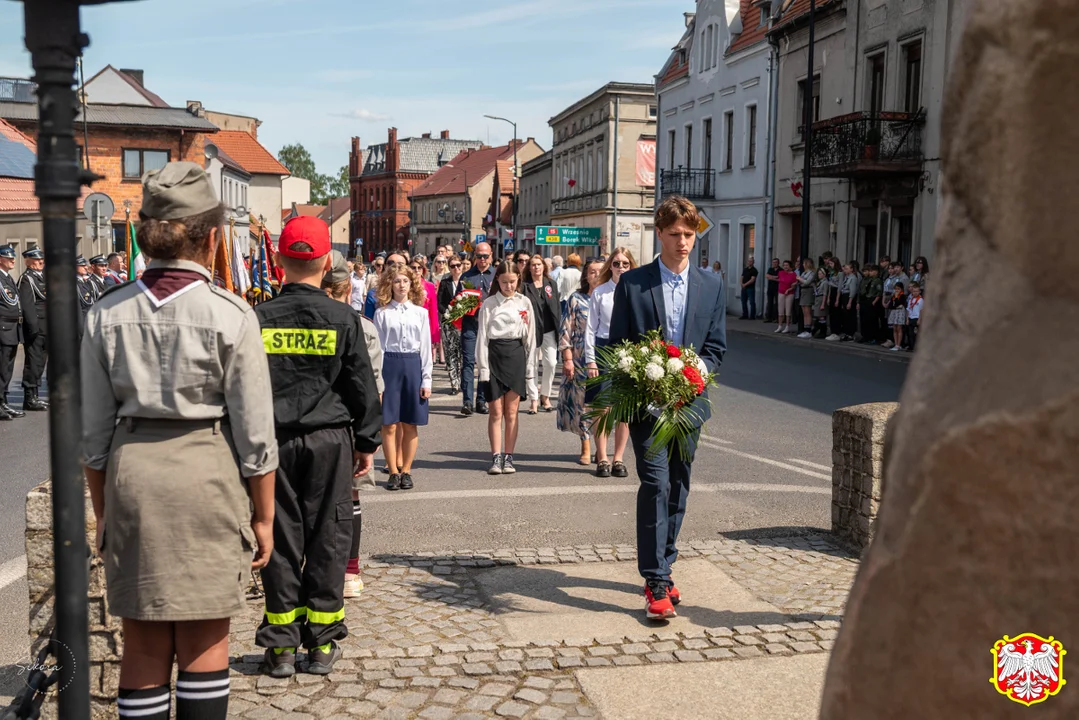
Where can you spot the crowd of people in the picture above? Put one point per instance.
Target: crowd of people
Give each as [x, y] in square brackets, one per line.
[878, 304]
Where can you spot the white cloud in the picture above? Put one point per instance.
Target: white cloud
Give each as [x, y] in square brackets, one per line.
[362, 114]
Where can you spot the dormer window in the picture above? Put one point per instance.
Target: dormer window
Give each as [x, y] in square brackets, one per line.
[764, 16]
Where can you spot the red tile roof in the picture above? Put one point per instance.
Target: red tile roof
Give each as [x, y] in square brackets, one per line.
[753, 31]
[475, 164]
[247, 151]
[17, 195]
[337, 207]
[795, 9]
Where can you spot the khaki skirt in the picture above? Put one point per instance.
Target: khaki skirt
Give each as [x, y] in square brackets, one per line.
[178, 542]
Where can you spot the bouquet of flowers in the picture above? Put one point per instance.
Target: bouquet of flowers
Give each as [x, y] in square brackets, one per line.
[466, 304]
[651, 377]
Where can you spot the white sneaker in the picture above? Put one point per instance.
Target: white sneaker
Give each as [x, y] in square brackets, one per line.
[832, 338]
[353, 586]
[894, 349]
[779, 329]
[805, 335]
[786, 329]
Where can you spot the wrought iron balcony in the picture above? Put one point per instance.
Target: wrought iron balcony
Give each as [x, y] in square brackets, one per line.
[865, 144]
[688, 182]
[18, 90]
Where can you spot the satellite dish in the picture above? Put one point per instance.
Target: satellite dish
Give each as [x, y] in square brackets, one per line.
[100, 203]
[210, 151]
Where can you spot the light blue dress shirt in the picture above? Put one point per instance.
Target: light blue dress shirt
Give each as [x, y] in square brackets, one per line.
[675, 286]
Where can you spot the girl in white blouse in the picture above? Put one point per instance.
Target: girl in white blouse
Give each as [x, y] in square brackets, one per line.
[599, 330]
[505, 341]
[404, 332]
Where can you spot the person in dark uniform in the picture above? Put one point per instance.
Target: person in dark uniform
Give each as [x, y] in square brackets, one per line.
[84, 289]
[32, 297]
[327, 418]
[10, 329]
[99, 269]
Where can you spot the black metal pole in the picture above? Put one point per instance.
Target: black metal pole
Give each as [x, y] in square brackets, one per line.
[55, 42]
[807, 137]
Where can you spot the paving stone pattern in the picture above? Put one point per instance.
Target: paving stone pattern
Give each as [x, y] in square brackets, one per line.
[423, 643]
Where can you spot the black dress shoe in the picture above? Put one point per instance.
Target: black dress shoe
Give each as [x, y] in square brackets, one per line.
[34, 404]
[12, 411]
[4, 414]
[481, 408]
[394, 483]
[466, 410]
[406, 481]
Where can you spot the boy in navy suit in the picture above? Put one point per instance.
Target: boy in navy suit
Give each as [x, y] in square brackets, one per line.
[688, 305]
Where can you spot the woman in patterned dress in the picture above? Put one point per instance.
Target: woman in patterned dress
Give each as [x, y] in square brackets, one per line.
[571, 407]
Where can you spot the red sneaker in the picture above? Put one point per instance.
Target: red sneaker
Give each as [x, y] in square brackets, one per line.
[674, 595]
[658, 604]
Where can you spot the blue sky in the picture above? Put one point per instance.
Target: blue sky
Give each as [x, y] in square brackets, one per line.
[320, 71]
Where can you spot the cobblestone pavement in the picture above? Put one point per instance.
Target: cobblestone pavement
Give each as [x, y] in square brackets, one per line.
[425, 643]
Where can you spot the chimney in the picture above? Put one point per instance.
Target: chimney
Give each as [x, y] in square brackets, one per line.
[392, 137]
[689, 18]
[427, 136]
[135, 75]
[195, 108]
[444, 135]
[354, 158]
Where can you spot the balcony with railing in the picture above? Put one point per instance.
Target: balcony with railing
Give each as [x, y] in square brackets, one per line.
[866, 144]
[17, 90]
[691, 183]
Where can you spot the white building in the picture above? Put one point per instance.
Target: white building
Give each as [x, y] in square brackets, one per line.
[232, 184]
[715, 99]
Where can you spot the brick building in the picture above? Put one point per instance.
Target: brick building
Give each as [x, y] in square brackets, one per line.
[382, 178]
[126, 141]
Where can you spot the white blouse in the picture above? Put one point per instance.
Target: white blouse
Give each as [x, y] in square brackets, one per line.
[405, 328]
[600, 307]
[504, 318]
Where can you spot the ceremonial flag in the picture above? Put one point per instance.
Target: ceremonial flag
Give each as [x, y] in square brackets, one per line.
[240, 278]
[256, 266]
[275, 273]
[135, 262]
[222, 272]
[264, 272]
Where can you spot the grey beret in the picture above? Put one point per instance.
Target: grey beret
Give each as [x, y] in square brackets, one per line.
[338, 271]
[178, 190]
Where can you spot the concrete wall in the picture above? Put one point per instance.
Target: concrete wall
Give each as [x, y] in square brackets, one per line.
[264, 198]
[295, 190]
[858, 435]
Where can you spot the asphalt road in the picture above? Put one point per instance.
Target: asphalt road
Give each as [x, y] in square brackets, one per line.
[763, 468]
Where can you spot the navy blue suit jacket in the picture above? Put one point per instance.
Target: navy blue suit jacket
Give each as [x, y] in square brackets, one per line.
[639, 307]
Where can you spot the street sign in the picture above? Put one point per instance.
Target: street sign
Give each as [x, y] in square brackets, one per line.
[98, 207]
[550, 235]
[481, 238]
[468, 247]
[359, 242]
[704, 225]
[507, 245]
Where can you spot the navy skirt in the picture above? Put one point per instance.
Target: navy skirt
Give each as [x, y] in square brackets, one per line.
[593, 391]
[402, 374]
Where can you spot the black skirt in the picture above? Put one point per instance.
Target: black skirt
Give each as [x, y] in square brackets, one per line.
[508, 361]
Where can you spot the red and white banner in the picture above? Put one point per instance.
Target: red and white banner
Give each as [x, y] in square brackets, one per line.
[646, 163]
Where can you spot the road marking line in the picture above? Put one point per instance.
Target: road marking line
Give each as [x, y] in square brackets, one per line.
[815, 466]
[12, 571]
[767, 461]
[716, 440]
[366, 498]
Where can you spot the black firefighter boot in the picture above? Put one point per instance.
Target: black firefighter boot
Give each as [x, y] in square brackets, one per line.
[15, 414]
[32, 402]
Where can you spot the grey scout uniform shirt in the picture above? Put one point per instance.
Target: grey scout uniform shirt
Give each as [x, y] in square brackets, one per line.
[197, 357]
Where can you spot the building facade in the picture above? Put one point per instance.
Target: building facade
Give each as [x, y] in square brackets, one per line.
[584, 191]
[535, 198]
[382, 178]
[233, 184]
[455, 205]
[715, 100]
[264, 191]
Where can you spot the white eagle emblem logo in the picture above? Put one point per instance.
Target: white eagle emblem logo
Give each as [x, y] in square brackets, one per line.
[1028, 668]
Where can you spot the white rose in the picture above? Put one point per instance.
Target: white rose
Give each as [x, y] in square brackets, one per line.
[625, 363]
[656, 360]
[674, 366]
[702, 367]
[653, 371]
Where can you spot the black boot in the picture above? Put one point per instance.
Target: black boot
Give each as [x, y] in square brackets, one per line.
[15, 414]
[5, 415]
[32, 402]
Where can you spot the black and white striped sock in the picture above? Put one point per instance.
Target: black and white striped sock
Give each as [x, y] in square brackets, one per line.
[147, 704]
[202, 696]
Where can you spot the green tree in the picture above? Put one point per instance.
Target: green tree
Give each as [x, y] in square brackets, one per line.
[299, 163]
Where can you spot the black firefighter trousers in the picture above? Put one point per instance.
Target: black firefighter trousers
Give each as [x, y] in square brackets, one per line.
[305, 578]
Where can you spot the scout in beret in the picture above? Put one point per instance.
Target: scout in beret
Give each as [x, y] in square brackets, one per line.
[175, 453]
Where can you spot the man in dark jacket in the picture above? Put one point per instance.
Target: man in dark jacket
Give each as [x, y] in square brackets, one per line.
[10, 329]
[327, 417]
[35, 331]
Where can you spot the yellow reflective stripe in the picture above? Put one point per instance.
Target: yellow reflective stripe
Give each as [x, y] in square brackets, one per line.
[285, 618]
[299, 341]
[325, 618]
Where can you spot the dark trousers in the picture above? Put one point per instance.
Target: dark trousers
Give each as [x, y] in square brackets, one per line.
[848, 319]
[661, 502]
[468, 368]
[885, 333]
[34, 366]
[868, 316]
[749, 303]
[911, 333]
[305, 578]
[835, 312]
[7, 367]
[771, 312]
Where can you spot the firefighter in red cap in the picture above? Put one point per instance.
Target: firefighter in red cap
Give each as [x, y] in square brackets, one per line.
[327, 419]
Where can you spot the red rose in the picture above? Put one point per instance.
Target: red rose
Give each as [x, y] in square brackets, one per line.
[694, 378]
[673, 352]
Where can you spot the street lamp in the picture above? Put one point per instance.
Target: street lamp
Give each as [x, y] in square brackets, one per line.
[493, 117]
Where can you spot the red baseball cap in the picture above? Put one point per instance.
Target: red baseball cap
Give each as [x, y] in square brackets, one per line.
[305, 229]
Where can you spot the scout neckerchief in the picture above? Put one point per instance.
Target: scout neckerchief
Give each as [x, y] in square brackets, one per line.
[163, 285]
